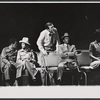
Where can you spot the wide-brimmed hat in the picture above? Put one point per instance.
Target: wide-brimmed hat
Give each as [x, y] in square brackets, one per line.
[65, 35]
[25, 40]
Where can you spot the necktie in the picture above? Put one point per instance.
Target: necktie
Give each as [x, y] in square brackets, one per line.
[51, 42]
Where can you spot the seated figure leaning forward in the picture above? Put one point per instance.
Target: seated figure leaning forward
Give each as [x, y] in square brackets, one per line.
[8, 62]
[67, 53]
[94, 49]
[48, 41]
[26, 60]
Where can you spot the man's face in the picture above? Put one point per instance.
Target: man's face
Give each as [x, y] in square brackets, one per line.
[66, 40]
[51, 28]
[14, 45]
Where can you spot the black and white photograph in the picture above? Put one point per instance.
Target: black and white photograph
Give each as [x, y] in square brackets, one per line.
[49, 44]
[50, 47]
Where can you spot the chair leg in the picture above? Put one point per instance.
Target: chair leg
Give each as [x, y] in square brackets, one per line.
[72, 79]
[2, 80]
[85, 78]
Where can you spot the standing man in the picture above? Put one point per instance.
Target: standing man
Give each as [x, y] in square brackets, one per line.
[67, 53]
[48, 40]
[8, 62]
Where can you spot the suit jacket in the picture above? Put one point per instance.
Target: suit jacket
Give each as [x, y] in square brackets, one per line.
[66, 51]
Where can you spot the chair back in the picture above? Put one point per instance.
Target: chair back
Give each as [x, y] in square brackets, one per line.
[82, 58]
[52, 59]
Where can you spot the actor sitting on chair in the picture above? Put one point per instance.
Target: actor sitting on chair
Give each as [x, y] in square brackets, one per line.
[94, 49]
[67, 53]
[26, 60]
[8, 62]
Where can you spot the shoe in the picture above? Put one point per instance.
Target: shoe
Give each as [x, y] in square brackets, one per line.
[58, 82]
[34, 78]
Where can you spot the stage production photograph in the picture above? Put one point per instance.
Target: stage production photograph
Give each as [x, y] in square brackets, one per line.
[49, 44]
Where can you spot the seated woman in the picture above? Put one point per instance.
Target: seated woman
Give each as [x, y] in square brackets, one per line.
[94, 49]
[67, 51]
[26, 60]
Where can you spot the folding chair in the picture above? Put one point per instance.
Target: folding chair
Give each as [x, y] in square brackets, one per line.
[51, 62]
[83, 62]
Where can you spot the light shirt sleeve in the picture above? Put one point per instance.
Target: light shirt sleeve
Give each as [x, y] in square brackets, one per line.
[40, 41]
[4, 56]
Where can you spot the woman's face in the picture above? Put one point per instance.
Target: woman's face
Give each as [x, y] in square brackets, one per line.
[23, 45]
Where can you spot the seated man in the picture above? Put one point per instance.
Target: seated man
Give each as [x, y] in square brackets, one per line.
[8, 62]
[94, 49]
[67, 53]
[26, 60]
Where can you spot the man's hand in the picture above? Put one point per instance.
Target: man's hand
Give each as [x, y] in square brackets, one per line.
[70, 54]
[13, 63]
[45, 53]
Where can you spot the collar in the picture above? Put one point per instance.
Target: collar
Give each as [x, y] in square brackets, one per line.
[26, 50]
[65, 44]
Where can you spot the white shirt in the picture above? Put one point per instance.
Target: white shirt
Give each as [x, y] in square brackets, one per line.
[45, 39]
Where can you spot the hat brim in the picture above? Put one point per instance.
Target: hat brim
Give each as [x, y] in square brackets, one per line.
[24, 42]
[64, 36]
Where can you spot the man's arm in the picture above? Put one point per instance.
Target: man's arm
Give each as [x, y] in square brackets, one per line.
[40, 42]
[91, 48]
[4, 56]
[72, 51]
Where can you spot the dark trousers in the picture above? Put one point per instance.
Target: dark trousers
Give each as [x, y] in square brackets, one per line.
[9, 75]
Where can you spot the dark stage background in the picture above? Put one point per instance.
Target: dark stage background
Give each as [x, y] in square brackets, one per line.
[28, 19]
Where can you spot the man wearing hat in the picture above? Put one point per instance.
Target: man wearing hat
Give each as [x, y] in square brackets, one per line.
[8, 62]
[26, 60]
[67, 53]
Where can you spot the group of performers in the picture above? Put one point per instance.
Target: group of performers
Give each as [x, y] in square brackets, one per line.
[15, 62]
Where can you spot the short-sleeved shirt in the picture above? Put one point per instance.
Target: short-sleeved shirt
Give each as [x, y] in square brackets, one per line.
[9, 54]
[94, 48]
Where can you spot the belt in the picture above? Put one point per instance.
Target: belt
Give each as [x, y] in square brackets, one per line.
[49, 48]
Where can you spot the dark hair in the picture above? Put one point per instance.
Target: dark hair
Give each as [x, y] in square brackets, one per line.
[48, 24]
[97, 34]
[12, 41]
